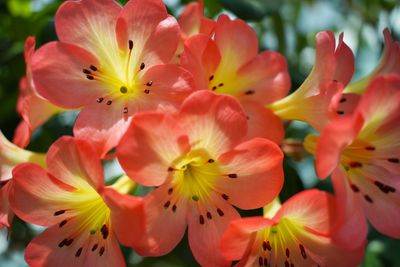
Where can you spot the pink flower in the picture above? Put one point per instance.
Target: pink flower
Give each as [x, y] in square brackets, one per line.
[202, 166]
[316, 100]
[84, 218]
[34, 109]
[300, 233]
[363, 152]
[230, 64]
[112, 62]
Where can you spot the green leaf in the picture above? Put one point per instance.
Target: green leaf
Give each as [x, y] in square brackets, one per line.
[20, 8]
[254, 10]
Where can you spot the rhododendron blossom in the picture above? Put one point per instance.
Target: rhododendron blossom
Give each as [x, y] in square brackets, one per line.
[229, 64]
[316, 100]
[362, 151]
[298, 233]
[113, 62]
[84, 217]
[34, 109]
[202, 166]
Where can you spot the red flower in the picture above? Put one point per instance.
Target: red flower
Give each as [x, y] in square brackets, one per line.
[301, 234]
[363, 152]
[111, 61]
[84, 217]
[316, 100]
[202, 167]
[230, 64]
[33, 108]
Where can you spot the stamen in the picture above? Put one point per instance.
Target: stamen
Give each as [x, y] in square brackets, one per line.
[100, 99]
[287, 263]
[214, 88]
[195, 198]
[368, 198]
[211, 78]
[354, 188]
[78, 252]
[232, 175]
[355, 164]
[260, 261]
[385, 188]
[62, 223]
[287, 252]
[343, 100]
[226, 197]
[123, 89]
[93, 68]
[201, 219]
[249, 92]
[69, 242]
[104, 231]
[142, 66]
[101, 252]
[370, 148]
[125, 110]
[221, 84]
[130, 42]
[95, 247]
[57, 213]
[303, 251]
[166, 205]
[170, 169]
[220, 212]
[86, 71]
[147, 91]
[149, 83]
[265, 262]
[269, 246]
[109, 102]
[62, 243]
[174, 208]
[209, 216]
[339, 112]
[211, 161]
[170, 191]
[264, 245]
[394, 160]
[89, 77]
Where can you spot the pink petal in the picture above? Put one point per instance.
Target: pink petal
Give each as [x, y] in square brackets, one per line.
[262, 122]
[36, 195]
[22, 134]
[103, 125]
[166, 223]
[127, 216]
[6, 213]
[192, 20]
[44, 250]
[348, 103]
[344, 60]
[205, 238]
[213, 121]
[333, 140]
[89, 24]
[58, 74]
[266, 76]
[237, 239]
[236, 40]
[150, 147]
[258, 166]
[74, 161]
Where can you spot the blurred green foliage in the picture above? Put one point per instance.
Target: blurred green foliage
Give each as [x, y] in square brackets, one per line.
[287, 26]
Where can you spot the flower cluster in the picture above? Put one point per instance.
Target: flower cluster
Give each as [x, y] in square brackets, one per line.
[190, 108]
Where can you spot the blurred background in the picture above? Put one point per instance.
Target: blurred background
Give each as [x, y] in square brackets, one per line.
[287, 26]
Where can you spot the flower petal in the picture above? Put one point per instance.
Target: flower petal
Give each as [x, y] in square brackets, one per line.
[166, 225]
[127, 216]
[57, 72]
[6, 213]
[104, 125]
[74, 162]
[150, 146]
[204, 239]
[216, 122]
[192, 20]
[44, 250]
[258, 166]
[262, 122]
[89, 24]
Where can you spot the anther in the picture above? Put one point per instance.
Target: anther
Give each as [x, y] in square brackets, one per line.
[62, 243]
[370, 148]
[355, 164]
[354, 188]
[269, 246]
[211, 161]
[343, 100]
[265, 262]
[166, 205]
[59, 212]
[211, 77]
[170, 169]
[69, 242]
[142, 66]
[147, 91]
[214, 88]
[368, 199]
[232, 175]
[303, 251]
[89, 77]
[224, 196]
[104, 231]
[95, 246]
[195, 198]
[125, 110]
[149, 83]
[101, 252]
[287, 263]
[221, 84]
[170, 191]
[339, 112]
[201, 219]
[86, 71]
[220, 212]
[174, 208]
[99, 100]
[78, 252]
[249, 92]
[109, 102]
[209, 216]
[394, 160]
[123, 89]
[287, 252]
[62, 223]
[130, 42]
[264, 245]
[93, 68]
[260, 261]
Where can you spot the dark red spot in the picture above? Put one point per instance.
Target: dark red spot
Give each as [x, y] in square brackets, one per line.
[220, 212]
[226, 197]
[260, 261]
[174, 208]
[211, 161]
[101, 252]
[130, 43]
[170, 169]
[368, 199]
[147, 91]
[339, 112]
[232, 175]
[125, 110]
[264, 245]
[211, 77]
[201, 219]
[209, 216]
[370, 148]
[95, 247]
[343, 100]
[394, 160]
[99, 100]
[166, 205]
[221, 84]
[69, 242]
[354, 188]
[150, 83]
[249, 92]
[355, 164]
[303, 251]
[214, 88]
[104, 231]
[287, 264]
[287, 252]
[62, 243]
[170, 191]
[78, 252]
[269, 246]
[265, 262]
[109, 102]
[93, 68]
[62, 223]
[86, 71]
[89, 77]
[57, 213]
[142, 66]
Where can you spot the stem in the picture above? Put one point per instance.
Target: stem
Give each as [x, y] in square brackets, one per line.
[272, 208]
[124, 184]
